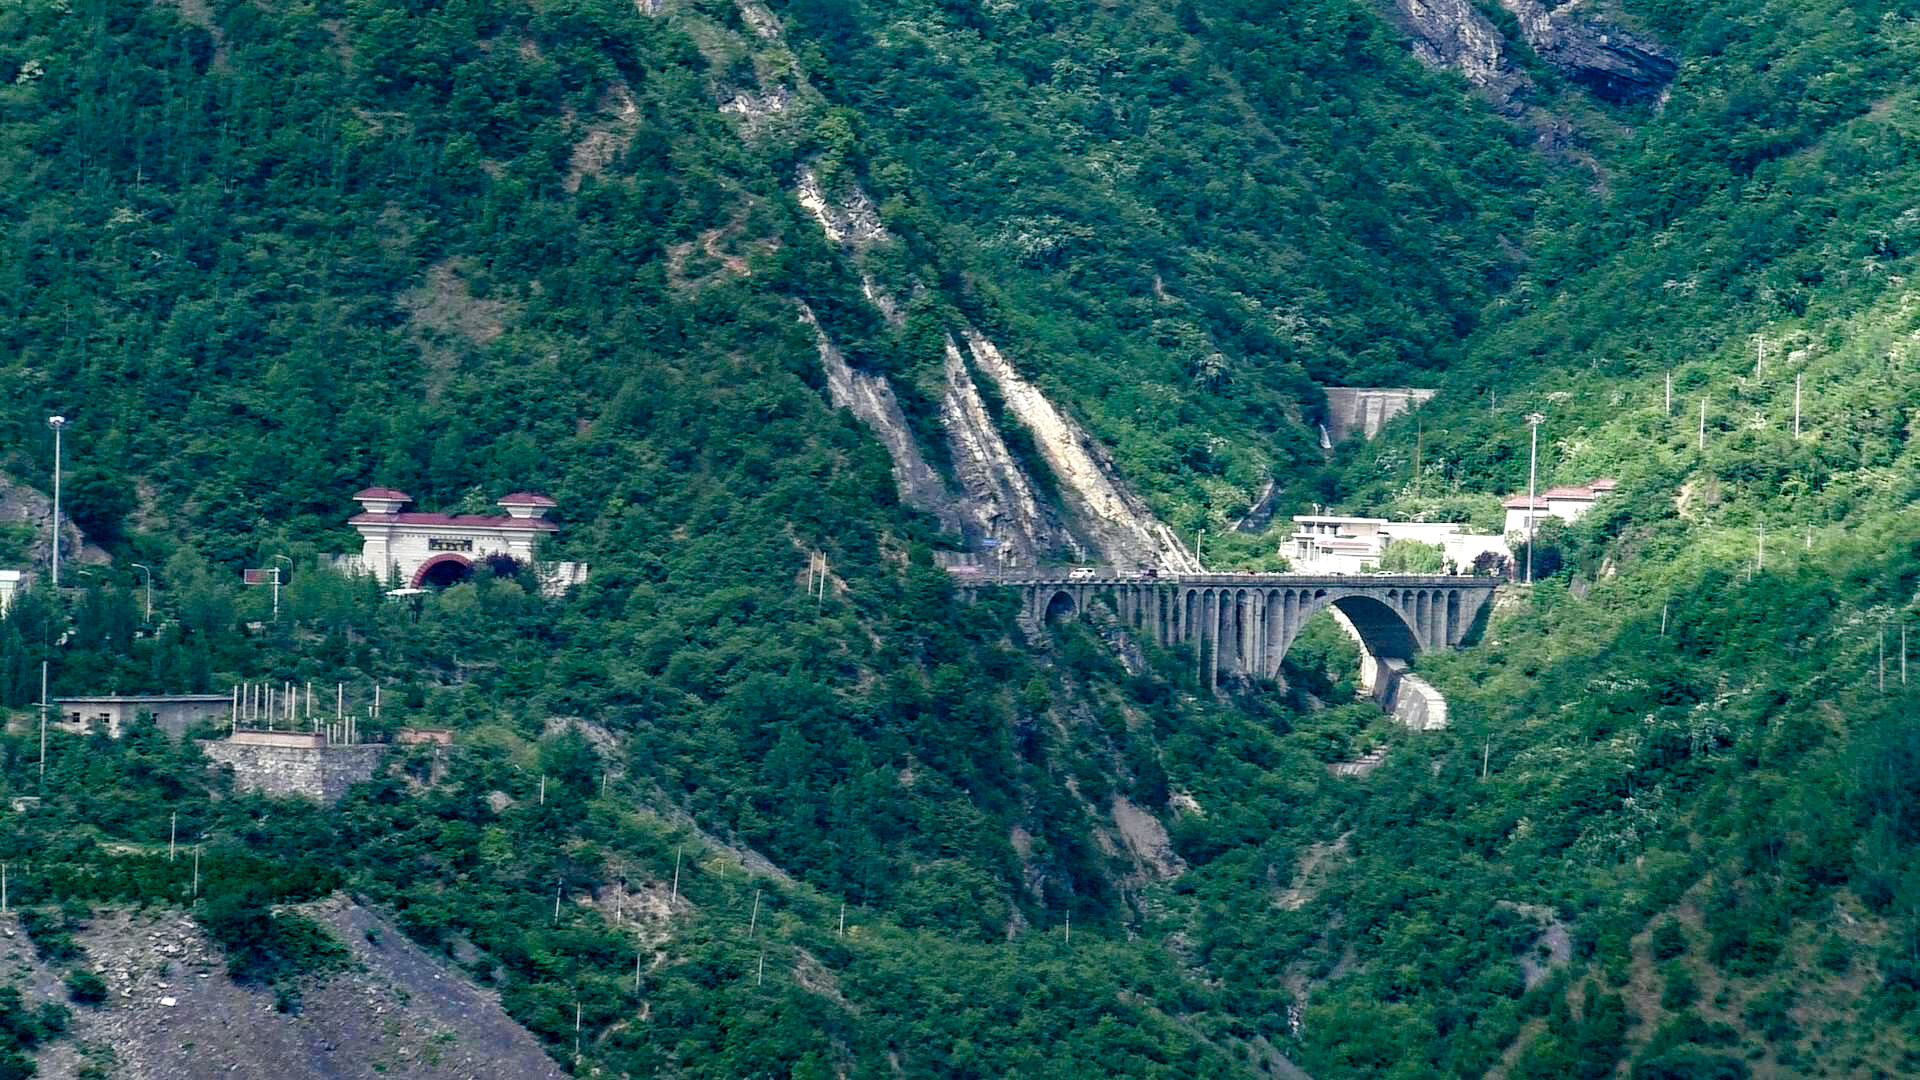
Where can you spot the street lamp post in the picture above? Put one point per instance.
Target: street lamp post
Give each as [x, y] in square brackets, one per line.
[276, 584]
[147, 570]
[1534, 420]
[1199, 537]
[56, 423]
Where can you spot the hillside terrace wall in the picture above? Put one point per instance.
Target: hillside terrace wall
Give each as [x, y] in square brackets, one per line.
[271, 767]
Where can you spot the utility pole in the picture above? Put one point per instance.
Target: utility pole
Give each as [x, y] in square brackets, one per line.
[558, 885]
[675, 898]
[56, 423]
[1419, 441]
[1199, 535]
[1663, 620]
[44, 706]
[147, 570]
[1883, 660]
[1796, 406]
[1760, 556]
[196, 871]
[1669, 393]
[173, 834]
[843, 918]
[1703, 423]
[754, 921]
[1534, 420]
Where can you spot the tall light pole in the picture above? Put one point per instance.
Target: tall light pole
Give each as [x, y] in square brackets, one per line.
[276, 584]
[148, 570]
[56, 423]
[1534, 420]
[1199, 537]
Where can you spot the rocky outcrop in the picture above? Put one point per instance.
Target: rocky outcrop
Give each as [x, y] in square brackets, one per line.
[1452, 34]
[173, 1014]
[1000, 499]
[871, 400]
[1117, 522]
[1612, 63]
[990, 496]
[22, 505]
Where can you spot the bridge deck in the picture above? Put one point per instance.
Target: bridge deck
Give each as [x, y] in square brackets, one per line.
[1385, 581]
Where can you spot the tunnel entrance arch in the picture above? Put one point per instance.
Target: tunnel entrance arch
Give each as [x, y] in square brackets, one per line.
[443, 571]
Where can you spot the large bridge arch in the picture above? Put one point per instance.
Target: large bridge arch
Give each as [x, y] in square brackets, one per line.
[1244, 624]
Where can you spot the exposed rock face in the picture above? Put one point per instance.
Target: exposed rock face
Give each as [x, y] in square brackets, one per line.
[1453, 34]
[872, 402]
[1000, 499]
[1115, 520]
[22, 505]
[1614, 64]
[995, 498]
[173, 1014]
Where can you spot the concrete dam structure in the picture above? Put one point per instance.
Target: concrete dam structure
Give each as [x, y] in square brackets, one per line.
[1246, 622]
[1363, 411]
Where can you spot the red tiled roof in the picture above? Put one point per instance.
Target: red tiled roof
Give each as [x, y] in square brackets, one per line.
[1519, 502]
[472, 521]
[1568, 492]
[383, 493]
[1604, 485]
[527, 498]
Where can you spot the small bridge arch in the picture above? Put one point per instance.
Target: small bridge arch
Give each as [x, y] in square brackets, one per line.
[1245, 623]
[1061, 606]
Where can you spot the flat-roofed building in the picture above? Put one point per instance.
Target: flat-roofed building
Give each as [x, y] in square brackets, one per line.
[114, 713]
[1330, 544]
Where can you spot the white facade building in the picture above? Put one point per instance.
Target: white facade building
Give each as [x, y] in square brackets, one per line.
[1323, 544]
[1567, 504]
[422, 550]
[9, 584]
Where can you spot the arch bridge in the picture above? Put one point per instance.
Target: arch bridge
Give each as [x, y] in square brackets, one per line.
[1247, 622]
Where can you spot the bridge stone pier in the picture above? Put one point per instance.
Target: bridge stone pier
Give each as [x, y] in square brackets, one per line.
[1245, 623]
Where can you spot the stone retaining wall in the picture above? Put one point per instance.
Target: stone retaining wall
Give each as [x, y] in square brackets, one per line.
[320, 773]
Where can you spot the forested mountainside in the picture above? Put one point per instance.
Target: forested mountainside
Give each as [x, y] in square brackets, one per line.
[701, 821]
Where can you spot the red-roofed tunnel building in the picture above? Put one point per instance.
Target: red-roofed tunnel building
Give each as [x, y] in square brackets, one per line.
[423, 550]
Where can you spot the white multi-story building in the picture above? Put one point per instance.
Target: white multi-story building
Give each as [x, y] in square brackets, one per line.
[423, 550]
[9, 584]
[1326, 544]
